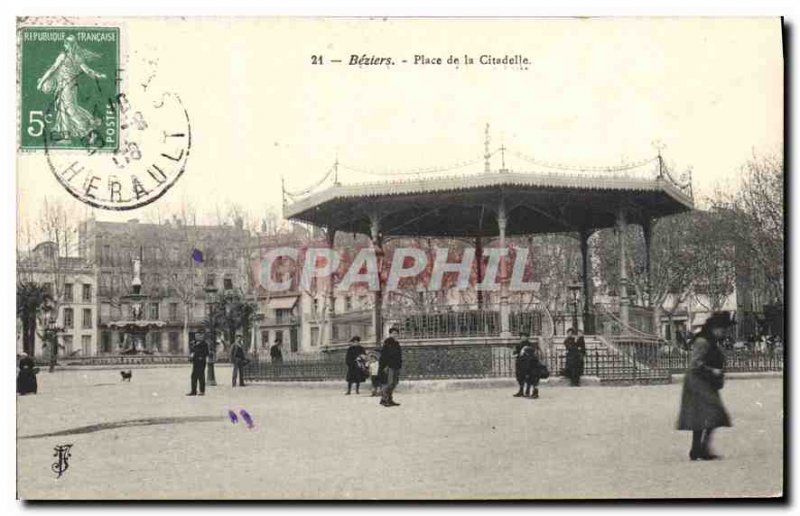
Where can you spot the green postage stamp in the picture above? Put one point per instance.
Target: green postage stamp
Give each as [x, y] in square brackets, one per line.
[68, 80]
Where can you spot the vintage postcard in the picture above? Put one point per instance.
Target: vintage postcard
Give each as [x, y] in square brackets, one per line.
[288, 258]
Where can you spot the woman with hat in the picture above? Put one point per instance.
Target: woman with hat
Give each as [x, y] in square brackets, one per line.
[701, 406]
[354, 361]
[26, 378]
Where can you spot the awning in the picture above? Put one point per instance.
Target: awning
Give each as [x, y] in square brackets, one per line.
[282, 303]
[699, 319]
[138, 324]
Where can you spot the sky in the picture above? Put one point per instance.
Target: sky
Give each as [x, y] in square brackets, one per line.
[708, 92]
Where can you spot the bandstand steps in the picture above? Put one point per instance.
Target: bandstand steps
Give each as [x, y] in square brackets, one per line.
[613, 367]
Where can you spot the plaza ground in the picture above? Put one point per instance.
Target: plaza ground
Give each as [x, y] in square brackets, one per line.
[588, 442]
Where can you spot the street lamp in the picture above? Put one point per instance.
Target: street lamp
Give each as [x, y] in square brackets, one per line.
[211, 299]
[575, 290]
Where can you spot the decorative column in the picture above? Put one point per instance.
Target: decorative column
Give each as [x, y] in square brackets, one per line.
[624, 302]
[377, 306]
[502, 220]
[647, 229]
[588, 321]
[331, 309]
[479, 269]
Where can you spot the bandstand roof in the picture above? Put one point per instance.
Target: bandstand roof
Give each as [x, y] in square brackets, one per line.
[467, 205]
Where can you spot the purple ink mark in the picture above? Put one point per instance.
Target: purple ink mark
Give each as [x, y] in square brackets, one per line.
[232, 415]
[247, 419]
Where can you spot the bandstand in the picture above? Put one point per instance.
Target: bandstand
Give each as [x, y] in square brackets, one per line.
[489, 206]
[493, 205]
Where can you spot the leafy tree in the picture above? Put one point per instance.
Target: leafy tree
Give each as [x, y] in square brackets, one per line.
[32, 298]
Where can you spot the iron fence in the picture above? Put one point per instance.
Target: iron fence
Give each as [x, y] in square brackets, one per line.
[658, 354]
[624, 362]
[448, 362]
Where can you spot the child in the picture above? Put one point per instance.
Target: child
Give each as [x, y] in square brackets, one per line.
[374, 371]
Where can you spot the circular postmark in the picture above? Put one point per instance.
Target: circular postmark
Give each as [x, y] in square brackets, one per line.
[148, 156]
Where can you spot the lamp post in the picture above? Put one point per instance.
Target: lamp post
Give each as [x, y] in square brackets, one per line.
[51, 338]
[211, 301]
[575, 290]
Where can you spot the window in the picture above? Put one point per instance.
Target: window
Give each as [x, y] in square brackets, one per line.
[173, 311]
[155, 341]
[87, 318]
[314, 337]
[105, 342]
[66, 340]
[86, 345]
[87, 292]
[68, 318]
[348, 303]
[211, 280]
[174, 344]
[48, 287]
[227, 284]
[265, 339]
[68, 292]
[282, 315]
[105, 257]
[316, 306]
[153, 310]
[105, 283]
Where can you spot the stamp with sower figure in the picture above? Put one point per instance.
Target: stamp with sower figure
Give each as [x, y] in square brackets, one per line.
[66, 76]
[112, 142]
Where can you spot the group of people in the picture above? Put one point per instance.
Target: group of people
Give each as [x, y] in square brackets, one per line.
[198, 355]
[528, 367]
[381, 366]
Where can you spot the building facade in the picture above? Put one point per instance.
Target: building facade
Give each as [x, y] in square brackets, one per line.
[71, 282]
[182, 268]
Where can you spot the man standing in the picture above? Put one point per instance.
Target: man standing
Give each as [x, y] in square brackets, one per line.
[198, 356]
[238, 360]
[390, 363]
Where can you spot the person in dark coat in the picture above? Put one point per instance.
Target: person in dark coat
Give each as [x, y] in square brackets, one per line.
[275, 353]
[701, 406]
[238, 360]
[355, 364]
[520, 371]
[26, 378]
[390, 362]
[576, 350]
[198, 357]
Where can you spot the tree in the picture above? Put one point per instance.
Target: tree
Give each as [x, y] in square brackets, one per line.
[755, 213]
[32, 298]
[48, 264]
[691, 254]
[235, 312]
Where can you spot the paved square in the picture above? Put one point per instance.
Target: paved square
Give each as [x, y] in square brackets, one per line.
[314, 442]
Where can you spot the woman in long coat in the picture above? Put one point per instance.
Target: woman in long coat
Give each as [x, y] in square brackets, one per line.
[26, 379]
[573, 368]
[355, 371]
[701, 406]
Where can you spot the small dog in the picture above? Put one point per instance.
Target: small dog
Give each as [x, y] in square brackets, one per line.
[126, 375]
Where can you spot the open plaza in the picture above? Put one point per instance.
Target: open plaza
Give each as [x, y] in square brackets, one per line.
[146, 439]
